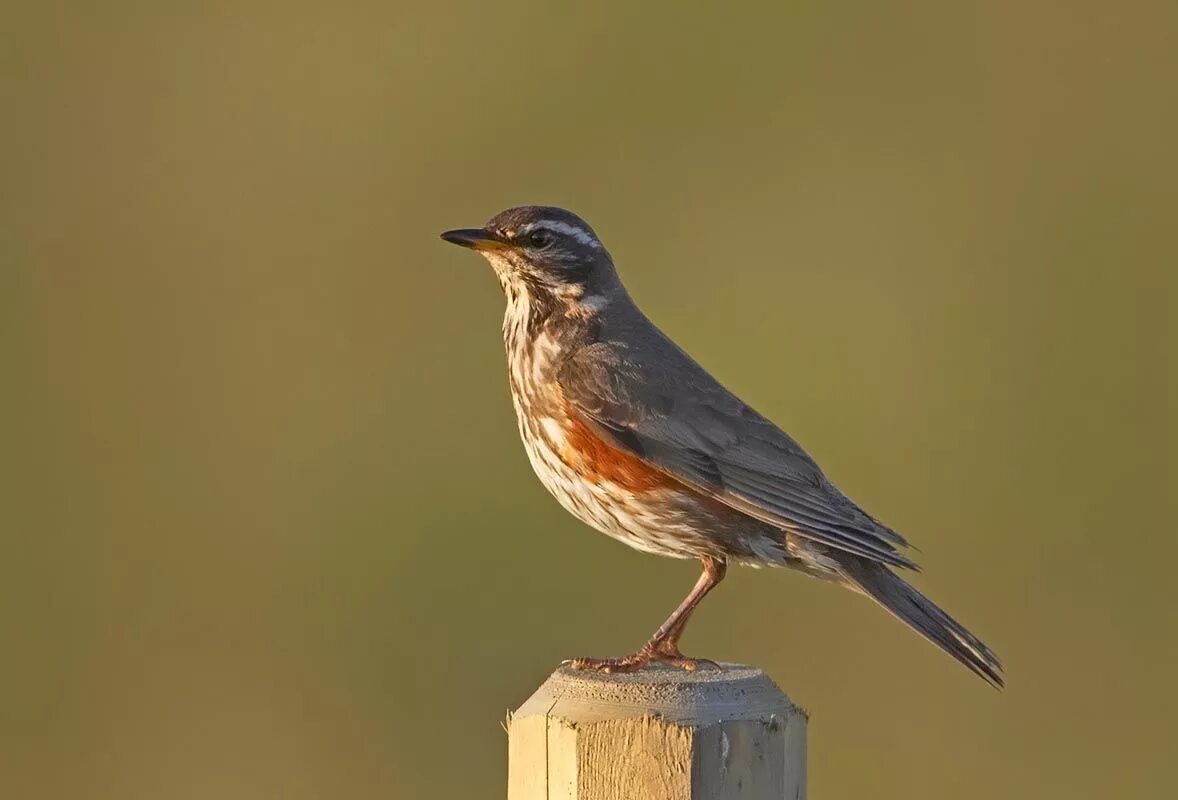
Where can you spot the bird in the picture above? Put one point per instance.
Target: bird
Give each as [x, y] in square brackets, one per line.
[633, 437]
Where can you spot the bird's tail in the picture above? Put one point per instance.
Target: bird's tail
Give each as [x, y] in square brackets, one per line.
[910, 606]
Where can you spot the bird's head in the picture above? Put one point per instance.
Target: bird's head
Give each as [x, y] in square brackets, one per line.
[542, 250]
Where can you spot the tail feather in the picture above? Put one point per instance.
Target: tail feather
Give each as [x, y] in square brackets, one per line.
[924, 616]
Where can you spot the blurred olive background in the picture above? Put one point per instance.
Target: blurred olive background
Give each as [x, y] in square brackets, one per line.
[268, 531]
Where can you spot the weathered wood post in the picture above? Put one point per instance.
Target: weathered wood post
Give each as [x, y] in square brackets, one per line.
[658, 734]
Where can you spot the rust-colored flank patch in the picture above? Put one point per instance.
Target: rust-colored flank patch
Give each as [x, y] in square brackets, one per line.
[596, 460]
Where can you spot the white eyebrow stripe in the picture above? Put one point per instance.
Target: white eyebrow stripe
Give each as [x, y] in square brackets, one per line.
[556, 226]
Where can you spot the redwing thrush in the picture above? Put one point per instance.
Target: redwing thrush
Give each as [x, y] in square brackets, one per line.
[637, 440]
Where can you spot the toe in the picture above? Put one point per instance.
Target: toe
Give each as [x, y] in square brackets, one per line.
[690, 664]
[610, 665]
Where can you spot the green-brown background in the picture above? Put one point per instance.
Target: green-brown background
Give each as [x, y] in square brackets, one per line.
[267, 530]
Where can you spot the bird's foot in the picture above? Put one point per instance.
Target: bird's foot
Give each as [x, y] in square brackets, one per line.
[630, 663]
[666, 654]
[690, 664]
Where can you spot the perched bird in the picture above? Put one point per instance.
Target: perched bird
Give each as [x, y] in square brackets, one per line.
[636, 439]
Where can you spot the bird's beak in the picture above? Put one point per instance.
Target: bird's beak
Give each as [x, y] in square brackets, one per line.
[476, 239]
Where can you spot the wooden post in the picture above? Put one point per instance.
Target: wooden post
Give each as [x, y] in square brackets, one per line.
[657, 734]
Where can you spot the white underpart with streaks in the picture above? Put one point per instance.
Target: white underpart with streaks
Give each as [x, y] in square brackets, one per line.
[660, 528]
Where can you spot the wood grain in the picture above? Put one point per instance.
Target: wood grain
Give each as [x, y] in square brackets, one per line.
[661, 734]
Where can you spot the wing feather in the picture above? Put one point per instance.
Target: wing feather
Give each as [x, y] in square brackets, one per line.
[718, 446]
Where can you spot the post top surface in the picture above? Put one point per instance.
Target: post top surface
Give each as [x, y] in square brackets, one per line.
[734, 691]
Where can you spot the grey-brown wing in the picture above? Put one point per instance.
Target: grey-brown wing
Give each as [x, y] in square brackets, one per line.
[676, 417]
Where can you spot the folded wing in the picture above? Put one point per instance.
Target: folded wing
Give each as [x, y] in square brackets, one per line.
[714, 443]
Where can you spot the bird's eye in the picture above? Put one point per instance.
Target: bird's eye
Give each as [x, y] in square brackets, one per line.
[539, 239]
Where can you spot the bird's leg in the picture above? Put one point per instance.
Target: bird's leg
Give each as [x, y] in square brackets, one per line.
[664, 645]
[666, 640]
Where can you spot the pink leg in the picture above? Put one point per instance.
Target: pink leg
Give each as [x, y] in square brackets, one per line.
[664, 644]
